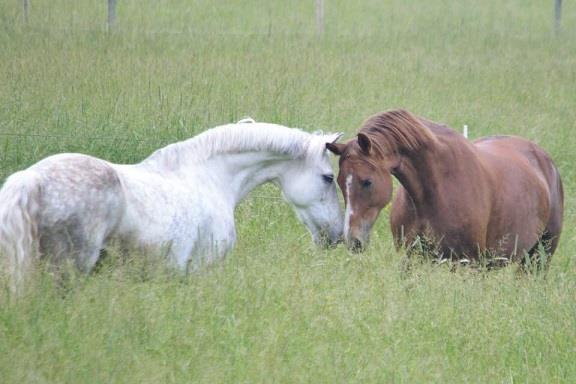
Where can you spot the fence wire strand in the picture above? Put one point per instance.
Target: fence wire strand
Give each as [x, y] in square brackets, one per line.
[46, 136]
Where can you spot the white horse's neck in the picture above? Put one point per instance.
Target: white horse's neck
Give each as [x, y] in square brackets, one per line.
[236, 157]
[238, 174]
[230, 139]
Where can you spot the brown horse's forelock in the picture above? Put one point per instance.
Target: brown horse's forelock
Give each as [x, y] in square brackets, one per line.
[397, 130]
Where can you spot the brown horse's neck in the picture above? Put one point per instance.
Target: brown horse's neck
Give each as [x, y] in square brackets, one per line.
[420, 176]
[431, 176]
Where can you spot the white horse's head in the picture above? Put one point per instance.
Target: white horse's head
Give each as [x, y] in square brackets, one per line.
[308, 184]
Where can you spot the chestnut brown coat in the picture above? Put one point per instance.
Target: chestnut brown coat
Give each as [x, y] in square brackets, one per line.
[501, 194]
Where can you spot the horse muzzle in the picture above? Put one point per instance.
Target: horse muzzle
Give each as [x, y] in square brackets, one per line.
[356, 245]
[328, 240]
[358, 237]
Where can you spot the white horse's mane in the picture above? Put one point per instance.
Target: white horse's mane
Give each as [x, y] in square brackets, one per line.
[244, 136]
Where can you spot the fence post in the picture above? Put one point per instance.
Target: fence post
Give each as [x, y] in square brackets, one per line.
[557, 15]
[111, 14]
[319, 17]
[26, 10]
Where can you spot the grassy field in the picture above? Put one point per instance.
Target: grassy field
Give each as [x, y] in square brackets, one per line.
[278, 309]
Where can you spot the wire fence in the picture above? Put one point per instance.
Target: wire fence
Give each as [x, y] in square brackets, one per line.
[112, 20]
[319, 6]
[62, 137]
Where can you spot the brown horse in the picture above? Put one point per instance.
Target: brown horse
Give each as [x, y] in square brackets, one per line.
[500, 194]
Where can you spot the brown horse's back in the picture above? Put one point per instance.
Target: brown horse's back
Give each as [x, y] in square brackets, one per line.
[528, 196]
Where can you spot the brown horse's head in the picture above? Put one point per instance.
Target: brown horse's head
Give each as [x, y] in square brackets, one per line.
[366, 183]
[367, 164]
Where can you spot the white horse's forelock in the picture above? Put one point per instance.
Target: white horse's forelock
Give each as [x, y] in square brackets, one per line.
[243, 137]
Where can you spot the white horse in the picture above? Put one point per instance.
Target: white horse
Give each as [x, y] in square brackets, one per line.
[68, 206]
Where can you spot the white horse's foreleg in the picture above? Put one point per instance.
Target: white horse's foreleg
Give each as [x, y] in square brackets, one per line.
[186, 259]
[179, 256]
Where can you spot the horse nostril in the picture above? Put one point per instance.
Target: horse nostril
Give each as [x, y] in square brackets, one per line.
[356, 245]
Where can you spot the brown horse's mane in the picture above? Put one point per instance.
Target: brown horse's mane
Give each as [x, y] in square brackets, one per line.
[397, 130]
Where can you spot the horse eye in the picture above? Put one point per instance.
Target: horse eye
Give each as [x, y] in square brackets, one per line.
[366, 183]
[328, 178]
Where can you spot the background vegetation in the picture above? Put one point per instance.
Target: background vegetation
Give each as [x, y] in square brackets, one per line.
[278, 309]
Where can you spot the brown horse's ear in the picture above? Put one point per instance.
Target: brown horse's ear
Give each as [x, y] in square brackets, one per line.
[365, 143]
[335, 148]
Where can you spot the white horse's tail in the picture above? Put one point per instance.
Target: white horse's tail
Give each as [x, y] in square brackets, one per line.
[19, 209]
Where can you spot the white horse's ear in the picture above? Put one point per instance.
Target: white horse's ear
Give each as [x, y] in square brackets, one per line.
[334, 137]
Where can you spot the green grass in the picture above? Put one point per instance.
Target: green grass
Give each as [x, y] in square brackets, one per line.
[277, 309]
